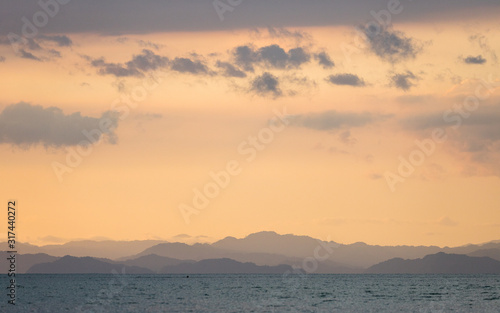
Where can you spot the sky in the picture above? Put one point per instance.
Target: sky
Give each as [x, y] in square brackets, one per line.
[373, 121]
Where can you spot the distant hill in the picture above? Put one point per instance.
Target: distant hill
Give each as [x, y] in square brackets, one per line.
[85, 265]
[23, 248]
[262, 248]
[24, 261]
[226, 266]
[154, 262]
[100, 249]
[439, 263]
[492, 253]
[271, 242]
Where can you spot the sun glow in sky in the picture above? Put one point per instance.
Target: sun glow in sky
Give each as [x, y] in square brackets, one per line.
[354, 157]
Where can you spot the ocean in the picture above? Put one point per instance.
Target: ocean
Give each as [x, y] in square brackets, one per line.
[253, 293]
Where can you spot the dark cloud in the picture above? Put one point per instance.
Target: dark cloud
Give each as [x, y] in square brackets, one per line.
[277, 57]
[141, 63]
[475, 60]
[151, 16]
[230, 70]
[347, 80]
[272, 56]
[60, 40]
[332, 120]
[2, 59]
[404, 81]
[266, 84]
[21, 43]
[28, 55]
[298, 56]
[245, 56]
[324, 60]
[147, 61]
[25, 125]
[389, 45]
[185, 65]
[118, 70]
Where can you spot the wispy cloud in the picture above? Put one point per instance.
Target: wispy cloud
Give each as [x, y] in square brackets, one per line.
[146, 61]
[404, 81]
[333, 120]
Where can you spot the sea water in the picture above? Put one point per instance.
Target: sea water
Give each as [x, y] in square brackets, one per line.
[253, 293]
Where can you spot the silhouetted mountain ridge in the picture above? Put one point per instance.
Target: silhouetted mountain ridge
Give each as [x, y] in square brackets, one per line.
[85, 265]
[439, 263]
[226, 266]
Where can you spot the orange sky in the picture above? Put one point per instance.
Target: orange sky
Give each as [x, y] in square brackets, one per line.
[309, 179]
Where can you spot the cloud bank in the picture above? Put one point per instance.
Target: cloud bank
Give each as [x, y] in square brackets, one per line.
[23, 124]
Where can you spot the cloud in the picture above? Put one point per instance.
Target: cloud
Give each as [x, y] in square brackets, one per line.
[21, 42]
[389, 45]
[475, 60]
[149, 44]
[272, 56]
[333, 120]
[277, 57]
[266, 84]
[474, 139]
[28, 55]
[60, 40]
[54, 53]
[185, 65]
[141, 63]
[298, 56]
[404, 81]
[285, 33]
[230, 70]
[147, 61]
[346, 80]
[118, 70]
[2, 59]
[153, 16]
[245, 56]
[324, 60]
[23, 124]
[484, 44]
[347, 138]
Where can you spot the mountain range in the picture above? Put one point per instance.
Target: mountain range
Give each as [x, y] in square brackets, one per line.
[263, 249]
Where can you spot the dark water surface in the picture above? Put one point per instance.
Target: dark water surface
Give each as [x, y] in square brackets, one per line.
[253, 293]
